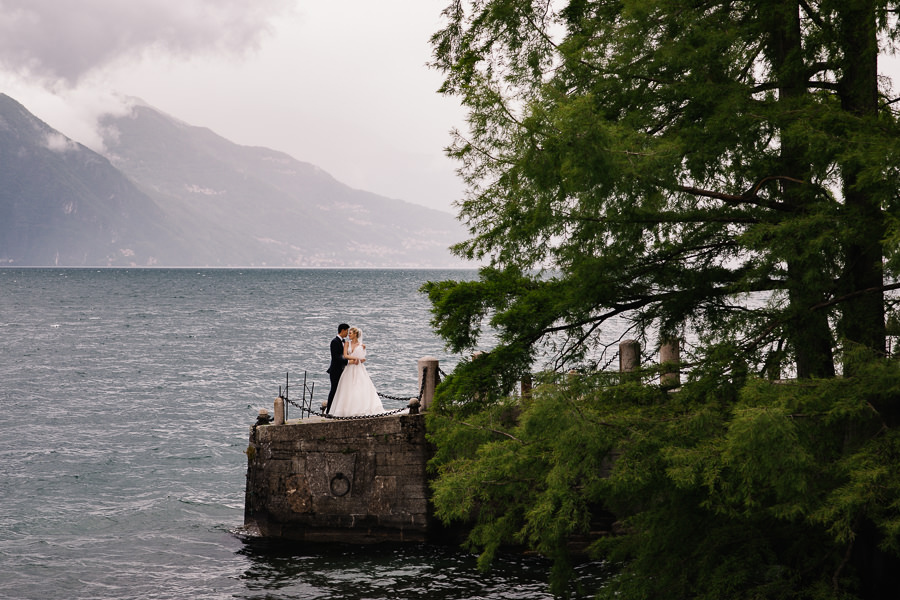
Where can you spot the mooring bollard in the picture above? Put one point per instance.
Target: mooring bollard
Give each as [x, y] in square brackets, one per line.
[429, 369]
[669, 360]
[263, 417]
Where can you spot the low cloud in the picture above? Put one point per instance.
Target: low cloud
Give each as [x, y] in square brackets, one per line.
[61, 42]
[59, 143]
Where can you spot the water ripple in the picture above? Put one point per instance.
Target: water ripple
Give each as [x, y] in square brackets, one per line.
[128, 397]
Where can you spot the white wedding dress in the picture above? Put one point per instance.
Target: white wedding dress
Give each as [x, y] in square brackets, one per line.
[356, 394]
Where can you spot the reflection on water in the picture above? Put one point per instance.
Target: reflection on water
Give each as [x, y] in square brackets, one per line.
[281, 569]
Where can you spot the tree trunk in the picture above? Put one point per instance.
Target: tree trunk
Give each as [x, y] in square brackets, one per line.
[862, 320]
[808, 331]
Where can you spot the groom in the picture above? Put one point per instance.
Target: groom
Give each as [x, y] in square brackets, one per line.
[338, 362]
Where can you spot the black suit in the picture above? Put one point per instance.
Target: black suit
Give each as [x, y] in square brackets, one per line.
[338, 362]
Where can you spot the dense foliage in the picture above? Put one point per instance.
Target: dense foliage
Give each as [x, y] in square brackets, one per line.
[758, 490]
[720, 173]
[666, 157]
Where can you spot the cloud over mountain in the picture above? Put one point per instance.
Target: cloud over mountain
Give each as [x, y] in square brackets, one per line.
[63, 41]
[171, 194]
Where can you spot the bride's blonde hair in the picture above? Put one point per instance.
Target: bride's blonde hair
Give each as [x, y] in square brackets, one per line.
[358, 333]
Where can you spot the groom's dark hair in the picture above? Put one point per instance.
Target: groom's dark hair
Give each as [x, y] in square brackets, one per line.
[342, 327]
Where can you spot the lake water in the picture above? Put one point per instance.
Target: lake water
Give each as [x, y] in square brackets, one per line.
[127, 397]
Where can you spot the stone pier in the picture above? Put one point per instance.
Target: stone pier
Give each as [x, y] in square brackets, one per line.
[356, 481]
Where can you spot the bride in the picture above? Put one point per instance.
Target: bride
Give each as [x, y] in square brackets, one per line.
[355, 394]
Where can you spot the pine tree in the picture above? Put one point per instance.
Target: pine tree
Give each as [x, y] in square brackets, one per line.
[720, 171]
[664, 158]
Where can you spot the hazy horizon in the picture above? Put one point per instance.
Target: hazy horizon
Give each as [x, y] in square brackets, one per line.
[344, 86]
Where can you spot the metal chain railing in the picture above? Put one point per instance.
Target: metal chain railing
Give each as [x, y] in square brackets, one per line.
[292, 403]
[353, 417]
[384, 414]
[307, 406]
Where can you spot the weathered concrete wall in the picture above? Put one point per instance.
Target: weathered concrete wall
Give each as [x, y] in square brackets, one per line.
[355, 481]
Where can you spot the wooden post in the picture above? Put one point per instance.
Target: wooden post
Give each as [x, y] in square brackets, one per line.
[429, 367]
[629, 356]
[669, 360]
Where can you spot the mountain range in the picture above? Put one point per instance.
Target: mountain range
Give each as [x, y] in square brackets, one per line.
[166, 193]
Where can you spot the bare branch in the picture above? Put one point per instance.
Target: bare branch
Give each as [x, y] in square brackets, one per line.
[497, 431]
[748, 197]
[856, 294]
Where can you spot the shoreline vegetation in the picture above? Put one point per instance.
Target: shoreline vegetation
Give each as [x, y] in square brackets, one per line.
[769, 485]
[669, 162]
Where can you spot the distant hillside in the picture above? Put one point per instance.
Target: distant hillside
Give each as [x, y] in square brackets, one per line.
[62, 204]
[255, 206]
[170, 194]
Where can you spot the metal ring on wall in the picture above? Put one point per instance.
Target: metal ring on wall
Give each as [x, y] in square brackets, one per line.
[340, 485]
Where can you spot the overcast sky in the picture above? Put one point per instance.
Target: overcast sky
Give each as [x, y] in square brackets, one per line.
[341, 84]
